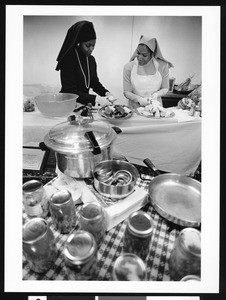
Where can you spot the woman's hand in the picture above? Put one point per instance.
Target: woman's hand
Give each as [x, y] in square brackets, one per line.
[143, 101]
[154, 96]
[110, 97]
[102, 101]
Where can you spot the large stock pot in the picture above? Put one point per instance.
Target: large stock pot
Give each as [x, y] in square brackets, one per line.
[80, 145]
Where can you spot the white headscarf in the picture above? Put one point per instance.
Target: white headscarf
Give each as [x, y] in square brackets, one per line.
[153, 45]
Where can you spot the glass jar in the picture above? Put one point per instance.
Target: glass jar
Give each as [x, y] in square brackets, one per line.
[138, 234]
[35, 199]
[39, 246]
[129, 267]
[92, 219]
[62, 209]
[191, 278]
[185, 258]
[80, 254]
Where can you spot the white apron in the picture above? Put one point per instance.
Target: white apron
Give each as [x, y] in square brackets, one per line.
[146, 85]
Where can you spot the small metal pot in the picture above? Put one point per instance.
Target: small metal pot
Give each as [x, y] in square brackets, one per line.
[109, 176]
[80, 144]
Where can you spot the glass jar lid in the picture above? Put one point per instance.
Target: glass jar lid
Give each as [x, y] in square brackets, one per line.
[73, 137]
[60, 197]
[91, 211]
[79, 247]
[191, 239]
[129, 267]
[34, 230]
[140, 223]
[32, 186]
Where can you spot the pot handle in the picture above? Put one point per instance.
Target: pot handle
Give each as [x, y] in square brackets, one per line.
[150, 164]
[91, 137]
[79, 108]
[117, 129]
[43, 146]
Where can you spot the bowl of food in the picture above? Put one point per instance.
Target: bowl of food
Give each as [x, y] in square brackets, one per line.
[57, 104]
[28, 104]
[184, 90]
[115, 112]
[115, 179]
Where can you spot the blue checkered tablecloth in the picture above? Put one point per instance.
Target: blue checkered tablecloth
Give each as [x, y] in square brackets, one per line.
[157, 261]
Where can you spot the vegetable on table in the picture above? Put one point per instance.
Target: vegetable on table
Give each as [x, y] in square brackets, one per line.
[156, 110]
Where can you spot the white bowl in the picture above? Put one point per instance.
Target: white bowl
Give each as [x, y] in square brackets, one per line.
[56, 105]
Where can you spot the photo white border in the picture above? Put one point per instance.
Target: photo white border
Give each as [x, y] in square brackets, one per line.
[210, 150]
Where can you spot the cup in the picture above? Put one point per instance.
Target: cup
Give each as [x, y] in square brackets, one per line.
[35, 199]
[171, 84]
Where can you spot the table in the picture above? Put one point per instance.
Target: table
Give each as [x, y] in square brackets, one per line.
[172, 144]
[157, 262]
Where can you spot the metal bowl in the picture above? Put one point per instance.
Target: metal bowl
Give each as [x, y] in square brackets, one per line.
[56, 105]
[120, 179]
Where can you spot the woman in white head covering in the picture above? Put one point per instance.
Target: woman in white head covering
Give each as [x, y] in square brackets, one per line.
[146, 76]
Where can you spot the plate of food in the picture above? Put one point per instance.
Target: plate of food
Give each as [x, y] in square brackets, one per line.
[154, 110]
[115, 112]
[185, 87]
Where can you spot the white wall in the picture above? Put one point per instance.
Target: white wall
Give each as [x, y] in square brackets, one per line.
[117, 37]
[179, 40]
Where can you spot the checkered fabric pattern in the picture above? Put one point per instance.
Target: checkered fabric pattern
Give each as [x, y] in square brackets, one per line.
[157, 261]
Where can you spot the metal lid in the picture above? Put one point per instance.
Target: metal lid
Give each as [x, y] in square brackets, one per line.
[70, 137]
[32, 186]
[79, 247]
[129, 267]
[191, 239]
[140, 223]
[34, 230]
[60, 197]
[91, 211]
[191, 278]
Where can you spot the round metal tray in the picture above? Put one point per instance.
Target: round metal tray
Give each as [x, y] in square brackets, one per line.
[177, 198]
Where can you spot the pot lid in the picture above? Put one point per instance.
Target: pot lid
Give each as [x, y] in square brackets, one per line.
[73, 137]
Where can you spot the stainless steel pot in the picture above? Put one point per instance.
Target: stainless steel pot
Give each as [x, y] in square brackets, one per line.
[80, 144]
[108, 172]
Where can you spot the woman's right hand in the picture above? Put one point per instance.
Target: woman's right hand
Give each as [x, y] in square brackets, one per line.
[143, 101]
[102, 101]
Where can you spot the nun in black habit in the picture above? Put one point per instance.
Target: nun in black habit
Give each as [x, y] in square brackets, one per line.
[78, 68]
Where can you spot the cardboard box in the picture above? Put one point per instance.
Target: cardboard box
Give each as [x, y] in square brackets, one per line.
[116, 211]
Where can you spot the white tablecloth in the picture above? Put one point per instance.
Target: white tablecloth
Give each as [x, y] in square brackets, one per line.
[173, 145]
